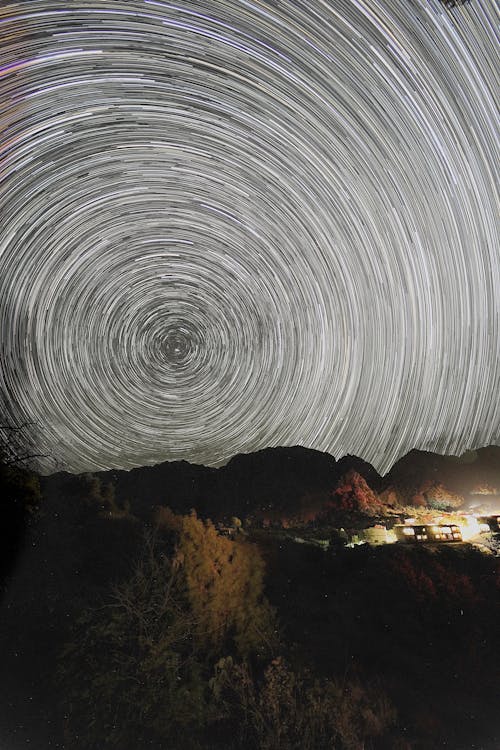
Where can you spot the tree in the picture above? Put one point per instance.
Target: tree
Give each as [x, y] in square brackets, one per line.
[289, 710]
[352, 501]
[131, 673]
[20, 493]
[135, 672]
[225, 584]
[16, 446]
[338, 540]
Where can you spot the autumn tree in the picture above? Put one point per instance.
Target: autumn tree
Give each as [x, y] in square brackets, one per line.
[290, 710]
[225, 585]
[136, 669]
[352, 501]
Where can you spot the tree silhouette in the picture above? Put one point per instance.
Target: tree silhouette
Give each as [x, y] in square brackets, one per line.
[131, 671]
[15, 445]
[19, 490]
[135, 672]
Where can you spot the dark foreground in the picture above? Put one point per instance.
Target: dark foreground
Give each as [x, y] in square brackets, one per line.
[125, 633]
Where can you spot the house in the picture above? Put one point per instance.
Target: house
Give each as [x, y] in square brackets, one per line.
[375, 535]
[428, 533]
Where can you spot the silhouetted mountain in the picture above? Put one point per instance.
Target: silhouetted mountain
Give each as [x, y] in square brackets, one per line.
[474, 475]
[177, 484]
[284, 482]
[275, 478]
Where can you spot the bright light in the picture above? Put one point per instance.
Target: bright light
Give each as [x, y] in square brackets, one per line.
[470, 527]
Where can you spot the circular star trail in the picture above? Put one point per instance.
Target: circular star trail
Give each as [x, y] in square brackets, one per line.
[237, 224]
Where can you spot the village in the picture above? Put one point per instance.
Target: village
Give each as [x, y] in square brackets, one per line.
[483, 531]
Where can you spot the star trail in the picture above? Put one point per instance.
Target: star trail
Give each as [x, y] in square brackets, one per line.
[230, 225]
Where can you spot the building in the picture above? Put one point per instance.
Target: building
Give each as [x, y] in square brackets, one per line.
[428, 533]
[375, 535]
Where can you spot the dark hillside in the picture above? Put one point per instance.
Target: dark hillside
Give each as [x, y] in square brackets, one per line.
[295, 482]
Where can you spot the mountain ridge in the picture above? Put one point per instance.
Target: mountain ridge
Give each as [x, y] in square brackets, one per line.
[463, 457]
[289, 481]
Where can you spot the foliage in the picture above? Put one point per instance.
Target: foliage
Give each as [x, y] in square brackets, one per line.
[177, 654]
[390, 498]
[287, 710]
[20, 487]
[225, 585]
[438, 497]
[352, 501]
[131, 673]
[80, 497]
[423, 619]
[338, 539]
[136, 668]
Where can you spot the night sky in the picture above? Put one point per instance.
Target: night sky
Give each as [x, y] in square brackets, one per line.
[227, 225]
